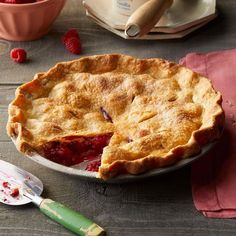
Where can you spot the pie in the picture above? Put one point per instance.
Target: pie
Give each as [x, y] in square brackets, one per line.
[127, 115]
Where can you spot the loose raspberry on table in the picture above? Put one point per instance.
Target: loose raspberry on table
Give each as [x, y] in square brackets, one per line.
[70, 33]
[71, 40]
[18, 55]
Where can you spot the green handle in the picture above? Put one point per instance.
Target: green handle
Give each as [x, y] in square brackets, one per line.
[70, 219]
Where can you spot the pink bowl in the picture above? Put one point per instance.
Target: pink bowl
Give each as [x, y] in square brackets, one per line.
[24, 22]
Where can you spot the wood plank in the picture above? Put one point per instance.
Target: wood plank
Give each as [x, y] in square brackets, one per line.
[3, 133]
[45, 52]
[160, 206]
[7, 94]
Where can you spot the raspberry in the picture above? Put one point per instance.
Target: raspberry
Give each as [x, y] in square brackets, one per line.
[15, 192]
[73, 45]
[5, 184]
[70, 33]
[93, 166]
[71, 40]
[18, 55]
[11, 1]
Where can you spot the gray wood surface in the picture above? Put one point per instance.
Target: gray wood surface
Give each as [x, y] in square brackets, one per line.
[158, 206]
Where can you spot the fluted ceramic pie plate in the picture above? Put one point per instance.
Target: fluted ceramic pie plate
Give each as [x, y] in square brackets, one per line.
[93, 176]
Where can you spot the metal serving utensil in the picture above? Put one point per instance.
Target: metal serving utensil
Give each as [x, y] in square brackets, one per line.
[19, 187]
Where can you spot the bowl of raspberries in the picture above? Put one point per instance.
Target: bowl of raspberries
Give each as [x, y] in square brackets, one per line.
[25, 20]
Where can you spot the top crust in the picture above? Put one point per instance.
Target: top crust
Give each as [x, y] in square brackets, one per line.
[161, 111]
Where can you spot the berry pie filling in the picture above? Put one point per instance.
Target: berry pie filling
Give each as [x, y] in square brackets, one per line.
[73, 150]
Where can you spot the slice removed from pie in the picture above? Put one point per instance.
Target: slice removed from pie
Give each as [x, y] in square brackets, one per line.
[133, 114]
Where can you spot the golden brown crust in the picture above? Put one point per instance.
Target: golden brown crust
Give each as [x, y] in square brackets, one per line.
[161, 111]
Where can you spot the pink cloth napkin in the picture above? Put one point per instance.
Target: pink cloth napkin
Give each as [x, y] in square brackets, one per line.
[214, 176]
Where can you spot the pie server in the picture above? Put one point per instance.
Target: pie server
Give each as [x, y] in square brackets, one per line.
[146, 17]
[19, 187]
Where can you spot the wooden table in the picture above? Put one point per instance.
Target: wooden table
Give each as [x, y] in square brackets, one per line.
[158, 206]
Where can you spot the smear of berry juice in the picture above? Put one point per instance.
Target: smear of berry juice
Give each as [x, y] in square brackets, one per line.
[9, 188]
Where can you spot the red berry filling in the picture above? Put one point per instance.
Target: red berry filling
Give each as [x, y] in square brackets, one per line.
[15, 192]
[93, 166]
[74, 150]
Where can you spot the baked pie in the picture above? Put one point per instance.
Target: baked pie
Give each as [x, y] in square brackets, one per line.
[128, 115]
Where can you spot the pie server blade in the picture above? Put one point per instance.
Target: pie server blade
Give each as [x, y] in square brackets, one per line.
[19, 187]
